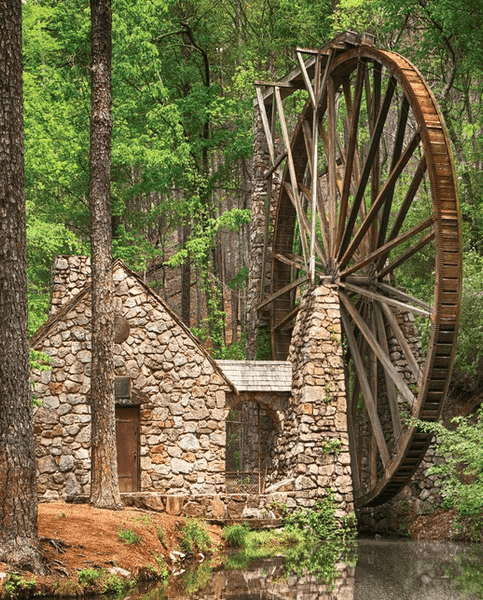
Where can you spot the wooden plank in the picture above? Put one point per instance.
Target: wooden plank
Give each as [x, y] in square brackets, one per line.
[373, 256]
[384, 299]
[411, 147]
[275, 165]
[381, 355]
[365, 388]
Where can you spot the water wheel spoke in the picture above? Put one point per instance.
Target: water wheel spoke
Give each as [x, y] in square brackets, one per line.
[404, 208]
[371, 157]
[407, 254]
[384, 194]
[349, 287]
[401, 338]
[398, 145]
[374, 256]
[293, 177]
[390, 387]
[365, 388]
[354, 113]
[331, 158]
[376, 347]
[315, 193]
[404, 296]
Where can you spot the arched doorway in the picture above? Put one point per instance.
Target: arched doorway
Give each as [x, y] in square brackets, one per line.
[250, 434]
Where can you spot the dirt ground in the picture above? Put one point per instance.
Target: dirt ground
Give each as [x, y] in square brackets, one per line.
[76, 537]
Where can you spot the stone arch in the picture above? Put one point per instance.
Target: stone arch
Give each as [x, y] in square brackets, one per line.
[254, 421]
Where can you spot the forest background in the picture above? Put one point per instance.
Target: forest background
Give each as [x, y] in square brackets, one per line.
[183, 74]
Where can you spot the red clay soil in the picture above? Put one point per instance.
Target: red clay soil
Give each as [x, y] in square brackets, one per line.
[76, 537]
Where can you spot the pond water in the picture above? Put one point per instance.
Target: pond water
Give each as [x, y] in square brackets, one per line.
[370, 570]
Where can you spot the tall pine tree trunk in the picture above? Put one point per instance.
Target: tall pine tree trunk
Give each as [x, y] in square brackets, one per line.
[104, 478]
[18, 484]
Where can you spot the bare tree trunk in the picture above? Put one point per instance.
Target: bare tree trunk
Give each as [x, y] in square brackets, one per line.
[18, 484]
[104, 478]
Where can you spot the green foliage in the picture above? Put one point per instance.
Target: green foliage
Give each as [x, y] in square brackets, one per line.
[195, 537]
[320, 521]
[461, 472]
[469, 350]
[162, 567]
[160, 534]
[16, 585]
[264, 345]
[144, 520]
[90, 576]
[128, 536]
[101, 582]
[330, 445]
[237, 535]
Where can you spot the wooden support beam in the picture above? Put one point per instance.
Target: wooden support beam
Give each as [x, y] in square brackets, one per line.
[282, 291]
[293, 174]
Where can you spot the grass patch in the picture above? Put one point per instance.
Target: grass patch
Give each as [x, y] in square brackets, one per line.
[195, 537]
[128, 536]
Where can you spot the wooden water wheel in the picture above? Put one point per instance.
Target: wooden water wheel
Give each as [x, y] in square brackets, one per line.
[368, 202]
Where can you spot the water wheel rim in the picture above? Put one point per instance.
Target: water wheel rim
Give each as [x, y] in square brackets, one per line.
[447, 244]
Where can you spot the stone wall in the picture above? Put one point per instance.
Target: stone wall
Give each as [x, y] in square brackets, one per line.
[313, 448]
[69, 275]
[178, 388]
[263, 190]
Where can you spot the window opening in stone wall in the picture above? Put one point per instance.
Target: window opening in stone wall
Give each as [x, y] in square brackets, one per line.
[250, 433]
[122, 388]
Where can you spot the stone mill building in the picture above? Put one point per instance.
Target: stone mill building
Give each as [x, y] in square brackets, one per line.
[194, 436]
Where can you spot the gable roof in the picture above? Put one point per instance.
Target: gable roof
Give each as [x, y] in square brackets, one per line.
[47, 327]
[258, 375]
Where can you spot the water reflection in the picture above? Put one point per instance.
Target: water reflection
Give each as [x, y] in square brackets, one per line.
[385, 570]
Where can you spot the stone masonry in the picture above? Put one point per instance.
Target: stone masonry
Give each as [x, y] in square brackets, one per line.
[178, 388]
[313, 449]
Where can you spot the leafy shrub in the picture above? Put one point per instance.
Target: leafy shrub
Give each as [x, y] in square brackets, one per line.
[320, 521]
[195, 537]
[128, 536]
[237, 535]
[16, 585]
[89, 577]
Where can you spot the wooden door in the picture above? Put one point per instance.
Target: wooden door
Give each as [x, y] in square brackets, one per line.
[127, 437]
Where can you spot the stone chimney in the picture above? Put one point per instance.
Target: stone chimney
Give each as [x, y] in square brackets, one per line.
[69, 275]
